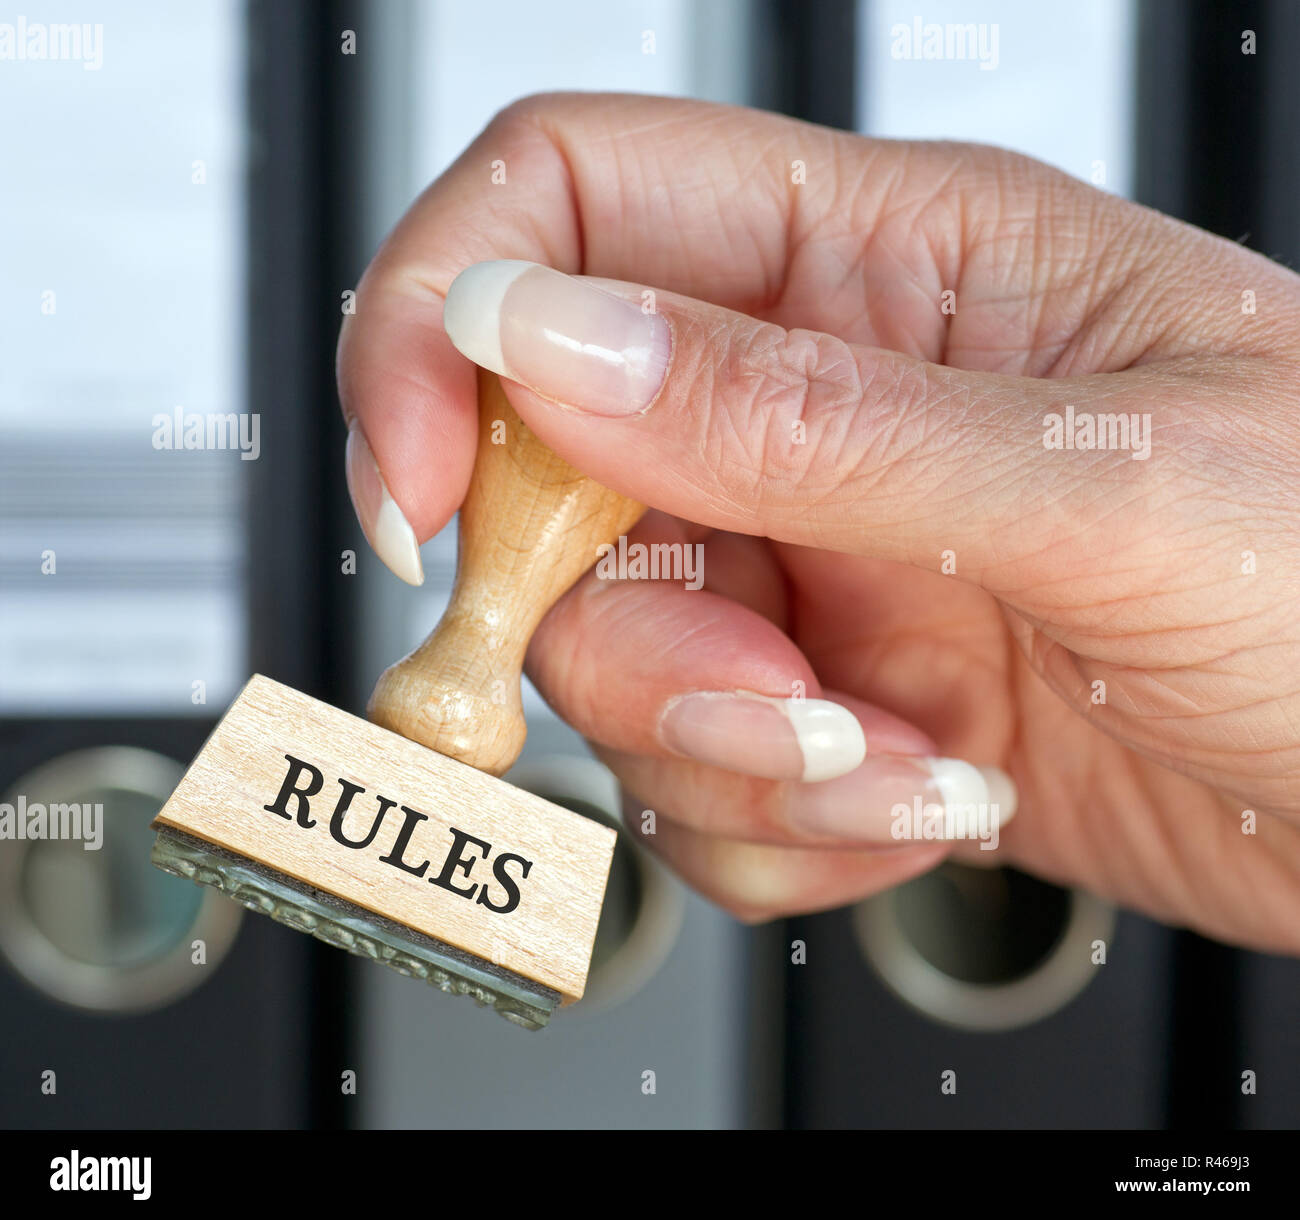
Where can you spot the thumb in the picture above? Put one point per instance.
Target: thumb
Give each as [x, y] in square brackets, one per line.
[796, 435]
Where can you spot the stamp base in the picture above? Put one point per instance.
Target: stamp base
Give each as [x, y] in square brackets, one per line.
[347, 926]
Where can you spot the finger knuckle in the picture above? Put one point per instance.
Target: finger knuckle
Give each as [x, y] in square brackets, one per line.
[527, 115]
[786, 425]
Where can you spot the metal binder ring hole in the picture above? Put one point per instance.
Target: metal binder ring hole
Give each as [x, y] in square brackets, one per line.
[103, 929]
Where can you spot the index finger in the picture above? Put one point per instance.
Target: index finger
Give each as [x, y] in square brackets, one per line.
[577, 182]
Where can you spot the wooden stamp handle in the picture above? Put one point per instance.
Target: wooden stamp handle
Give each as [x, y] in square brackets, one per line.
[530, 526]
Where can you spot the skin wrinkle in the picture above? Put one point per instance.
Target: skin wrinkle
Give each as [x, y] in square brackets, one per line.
[1169, 565]
[1016, 231]
[722, 434]
[1126, 316]
[1108, 335]
[792, 244]
[1131, 327]
[1049, 307]
[621, 151]
[1096, 631]
[1101, 283]
[1048, 550]
[1145, 746]
[1119, 250]
[778, 281]
[869, 206]
[879, 227]
[927, 343]
[579, 235]
[1089, 513]
[825, 387]
[880, 449]
[1116, 265]
[944, 446]
[772, 404]
[1079, 638]
[1215, 744]
[1146, 739]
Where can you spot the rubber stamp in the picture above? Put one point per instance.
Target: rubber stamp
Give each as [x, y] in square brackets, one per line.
[395, 837]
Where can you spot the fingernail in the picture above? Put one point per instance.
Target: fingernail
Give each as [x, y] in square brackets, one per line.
[386, 529]
[805, 739]
[566, 339]
[905, 799]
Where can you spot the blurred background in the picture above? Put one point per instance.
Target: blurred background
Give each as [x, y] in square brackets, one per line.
[179, 227]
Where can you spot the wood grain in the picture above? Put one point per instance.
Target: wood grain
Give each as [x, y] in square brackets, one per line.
[242, 769]
[530, 526]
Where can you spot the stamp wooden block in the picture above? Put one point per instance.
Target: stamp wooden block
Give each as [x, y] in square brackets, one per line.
[337, 803]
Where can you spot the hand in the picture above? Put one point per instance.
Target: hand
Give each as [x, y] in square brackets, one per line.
[847, 390]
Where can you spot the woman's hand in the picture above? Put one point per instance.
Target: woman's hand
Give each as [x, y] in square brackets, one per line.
[846, 381]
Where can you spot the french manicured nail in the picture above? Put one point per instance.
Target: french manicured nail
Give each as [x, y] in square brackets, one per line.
[806, 739]
[901, 799]
[386, 529]
[567, 339]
